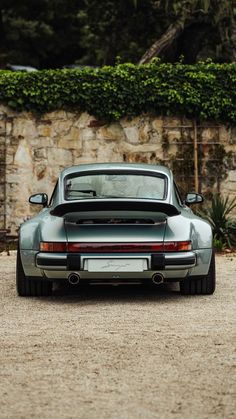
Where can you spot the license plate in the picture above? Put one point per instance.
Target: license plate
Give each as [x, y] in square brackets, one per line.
[116, 265]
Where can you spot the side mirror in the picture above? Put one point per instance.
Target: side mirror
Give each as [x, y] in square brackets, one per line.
[193, 198]
[39, 198]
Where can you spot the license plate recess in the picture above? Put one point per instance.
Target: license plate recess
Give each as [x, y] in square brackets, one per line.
[115, 265]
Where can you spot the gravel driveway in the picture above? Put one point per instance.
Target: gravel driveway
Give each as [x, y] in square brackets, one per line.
[118, 352]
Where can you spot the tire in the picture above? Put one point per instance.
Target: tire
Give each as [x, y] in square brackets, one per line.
[202, 285]
[30, 287]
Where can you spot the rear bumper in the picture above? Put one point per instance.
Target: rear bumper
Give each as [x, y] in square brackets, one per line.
[172, 265]
[78, 262]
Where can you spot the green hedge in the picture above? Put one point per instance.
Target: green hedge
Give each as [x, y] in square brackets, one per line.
[202, 91]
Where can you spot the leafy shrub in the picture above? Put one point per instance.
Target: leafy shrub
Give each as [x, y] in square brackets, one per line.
[224, 227]
[204, 91]
[219, 245]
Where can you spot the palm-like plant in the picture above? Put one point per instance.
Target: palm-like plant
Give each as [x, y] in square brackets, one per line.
[217, 214]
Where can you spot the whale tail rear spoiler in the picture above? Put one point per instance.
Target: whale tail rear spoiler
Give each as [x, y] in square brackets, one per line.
[103, 208]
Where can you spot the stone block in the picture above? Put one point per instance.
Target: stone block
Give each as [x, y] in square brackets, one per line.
[61, 126]
[23, 155]
[210, 135]
[69, 144]
[59, 157]
[87, 134]
[2, 111]
[171, 122]
[110, 132]
[24, 128]
[83, 120]
[174, 135]
[8, 112]
[76, 153]
[9, 127]
[45, 130]
[132, 134]
[145, 133]
[141, 157]
[2, 126]
[42, 142]
[233, 135]
[71, 140]
[54, 115]
[85, 160]
[90, 145]
[9, 158]
[40, 153]
[157, 124]
[130, 122]
[109, 152]
[40, 171]
[225, 134]
[232, 177]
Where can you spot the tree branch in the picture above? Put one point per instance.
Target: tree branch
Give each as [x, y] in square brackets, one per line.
[161, 44]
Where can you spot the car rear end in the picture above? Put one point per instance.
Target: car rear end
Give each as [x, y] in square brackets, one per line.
[115, 223]
[123, 241]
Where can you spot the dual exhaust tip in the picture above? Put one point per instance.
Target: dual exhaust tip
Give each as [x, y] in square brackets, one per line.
[157, 279]
[74, 279]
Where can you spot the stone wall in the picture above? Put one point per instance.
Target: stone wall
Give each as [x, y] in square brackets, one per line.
[2, 170]
[33, 150]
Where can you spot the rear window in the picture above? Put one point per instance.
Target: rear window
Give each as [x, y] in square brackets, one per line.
[115, 185]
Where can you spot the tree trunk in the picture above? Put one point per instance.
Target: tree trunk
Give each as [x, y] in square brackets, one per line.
[164, 42]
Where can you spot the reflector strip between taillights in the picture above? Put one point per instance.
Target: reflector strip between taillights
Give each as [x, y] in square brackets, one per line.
[58, 247]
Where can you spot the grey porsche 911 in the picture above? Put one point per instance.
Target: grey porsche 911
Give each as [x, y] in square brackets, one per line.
[115, 223]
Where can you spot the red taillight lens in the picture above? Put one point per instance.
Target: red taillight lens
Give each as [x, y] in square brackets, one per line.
[53, 247]
[177, 246]
[115, 247]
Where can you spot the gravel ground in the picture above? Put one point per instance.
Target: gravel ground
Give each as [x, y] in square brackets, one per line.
[118, 352]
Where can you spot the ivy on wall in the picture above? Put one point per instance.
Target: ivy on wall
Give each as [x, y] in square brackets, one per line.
[203, 91]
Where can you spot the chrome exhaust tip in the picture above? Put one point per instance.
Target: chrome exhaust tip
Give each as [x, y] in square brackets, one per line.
[157, 279]
[73, 279]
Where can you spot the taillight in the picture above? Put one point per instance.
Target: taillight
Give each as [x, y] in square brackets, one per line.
[53, 247]
[177, 246]
[115, 247]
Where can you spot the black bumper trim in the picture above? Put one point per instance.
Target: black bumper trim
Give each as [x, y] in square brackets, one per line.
[73, 262]
[160, 261]
[157, 261]
[181, 261]
[50, 262]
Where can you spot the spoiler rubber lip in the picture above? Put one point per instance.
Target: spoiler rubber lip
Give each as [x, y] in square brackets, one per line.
[114, 205]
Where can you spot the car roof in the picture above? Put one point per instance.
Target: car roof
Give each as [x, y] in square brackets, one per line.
[116, 166]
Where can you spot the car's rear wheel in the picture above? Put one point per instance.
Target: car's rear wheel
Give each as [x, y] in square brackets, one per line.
[30, 287]
[203, 285]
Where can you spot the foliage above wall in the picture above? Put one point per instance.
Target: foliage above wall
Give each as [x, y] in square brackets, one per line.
[202, 91]
[55, 33]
